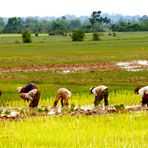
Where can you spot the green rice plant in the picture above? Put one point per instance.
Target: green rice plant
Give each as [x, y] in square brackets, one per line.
[117, 130]
[121, 85]
[115, 98]
[124, 97]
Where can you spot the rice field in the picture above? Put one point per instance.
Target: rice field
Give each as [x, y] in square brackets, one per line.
[119, 130]
[59, 59]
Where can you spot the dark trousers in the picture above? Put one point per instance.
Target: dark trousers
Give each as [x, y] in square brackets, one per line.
[145, 99]
[35, 101]
[100, 96]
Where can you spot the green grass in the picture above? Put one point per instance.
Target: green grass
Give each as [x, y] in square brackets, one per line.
[57, 49]
[115, 98]
[117, 130]
[47, 50]
[113, 130]
[79, 83]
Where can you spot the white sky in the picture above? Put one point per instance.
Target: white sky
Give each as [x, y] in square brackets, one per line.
[10, 8]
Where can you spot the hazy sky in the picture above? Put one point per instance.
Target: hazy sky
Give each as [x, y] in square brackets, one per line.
[10, 8]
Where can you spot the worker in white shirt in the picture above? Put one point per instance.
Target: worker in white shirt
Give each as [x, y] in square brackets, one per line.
[63, 94]
[100, 93]
[143, 92]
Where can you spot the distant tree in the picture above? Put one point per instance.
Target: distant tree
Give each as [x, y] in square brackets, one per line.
[97, 20]
[44, 25]
[75, 24]
[32, 24]
[144, 23]
[143, 18]
[60, 26]
[130, 26]
[86, 26]
[26, 36]
[95, 16]
[2, 24]
[21, 24]
[13, 25]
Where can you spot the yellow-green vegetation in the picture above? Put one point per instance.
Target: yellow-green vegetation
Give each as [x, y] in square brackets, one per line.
[115, 98]
[112, 130]
[120, 82]
[117, 130]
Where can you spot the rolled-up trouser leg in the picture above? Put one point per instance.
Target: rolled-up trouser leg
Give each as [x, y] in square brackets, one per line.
[35, 101]
[145, 99]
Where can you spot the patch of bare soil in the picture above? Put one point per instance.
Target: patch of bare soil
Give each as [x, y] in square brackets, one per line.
[65, 68]
[85, 67]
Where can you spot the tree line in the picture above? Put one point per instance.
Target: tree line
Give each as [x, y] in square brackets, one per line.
[62, 26]
[141, 25]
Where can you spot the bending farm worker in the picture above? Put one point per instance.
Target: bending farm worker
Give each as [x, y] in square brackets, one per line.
[143, 92]
[100, 93]
[63, 95]
[30, 93]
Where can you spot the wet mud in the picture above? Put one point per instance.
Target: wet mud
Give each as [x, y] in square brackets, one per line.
[64, 68]
[84, 67]
[18, 113]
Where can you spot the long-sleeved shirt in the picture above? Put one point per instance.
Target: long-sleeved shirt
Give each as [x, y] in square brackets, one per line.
[98, 89]
[30, 94]
[143, 90]
[28, 88]
[64, 92]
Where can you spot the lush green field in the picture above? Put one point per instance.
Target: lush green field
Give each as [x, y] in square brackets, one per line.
[59, 50]
[46, 50]
[117, 130]
[109, 131]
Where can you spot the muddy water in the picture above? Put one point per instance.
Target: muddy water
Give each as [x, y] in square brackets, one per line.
[134, 65]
